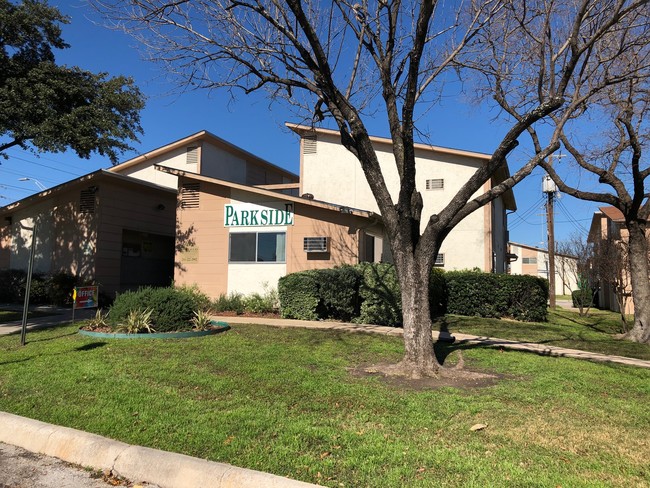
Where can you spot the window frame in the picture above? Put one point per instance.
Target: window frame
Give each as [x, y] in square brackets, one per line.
[256, 257]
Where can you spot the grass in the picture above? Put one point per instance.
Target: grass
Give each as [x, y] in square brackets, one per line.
[565, 328]
[283, 401]
[11, 315]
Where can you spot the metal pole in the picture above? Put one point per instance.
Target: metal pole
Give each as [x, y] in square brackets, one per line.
[28, 287]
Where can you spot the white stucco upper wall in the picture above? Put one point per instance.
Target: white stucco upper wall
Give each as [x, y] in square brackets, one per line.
[221, 164]
[144, 170]
[333, 174]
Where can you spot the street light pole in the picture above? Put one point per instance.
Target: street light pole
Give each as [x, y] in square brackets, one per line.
[38, 184]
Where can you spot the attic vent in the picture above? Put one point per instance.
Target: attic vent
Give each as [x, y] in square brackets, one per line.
[309, 144]
[435, 184]
[192, 155]
[315, 244]
[440, 259]
[87, 201]
[190, 195]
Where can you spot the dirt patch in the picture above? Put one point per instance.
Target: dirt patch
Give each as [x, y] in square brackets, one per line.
[269, 315]
[447, 378]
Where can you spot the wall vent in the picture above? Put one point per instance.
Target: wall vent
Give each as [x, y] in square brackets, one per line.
[190, 195]
[315, 244]
[87, 201]
[309, 144]
[192, 155]
[440, 259]
[435, 184]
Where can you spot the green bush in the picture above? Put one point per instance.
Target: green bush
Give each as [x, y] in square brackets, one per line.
[472, 293]
[523, 297]
[258, 303]
[438, 293]
[12, 285]
[233, 302]
[39, 290]
[379, 292]
[45, 289]
[582, 298]
[172, 308]
[60, 288]
[339, 292]
[497, 295]
[298, 293]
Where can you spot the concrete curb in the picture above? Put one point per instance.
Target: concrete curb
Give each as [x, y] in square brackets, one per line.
[136, 463]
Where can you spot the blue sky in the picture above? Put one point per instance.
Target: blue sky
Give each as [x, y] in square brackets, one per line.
[250, 123]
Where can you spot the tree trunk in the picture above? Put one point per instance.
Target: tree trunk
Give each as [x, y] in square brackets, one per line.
[640, 279]
[419, 356]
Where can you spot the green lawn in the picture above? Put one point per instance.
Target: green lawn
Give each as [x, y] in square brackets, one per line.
[284, 401]
[565, 328]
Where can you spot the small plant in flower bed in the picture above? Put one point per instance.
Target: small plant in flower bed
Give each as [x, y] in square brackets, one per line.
[137, 321]
[265, 303]
[150, 309]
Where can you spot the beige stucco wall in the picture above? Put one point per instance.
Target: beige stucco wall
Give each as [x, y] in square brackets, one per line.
[333, 174]
[64, 237]
[564, 266]
[144, 170]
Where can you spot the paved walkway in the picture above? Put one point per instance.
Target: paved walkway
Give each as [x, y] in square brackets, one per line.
[541, 349]
[58, 316]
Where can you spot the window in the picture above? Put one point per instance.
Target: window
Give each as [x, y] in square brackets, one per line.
[435, 184]
[529, 261]
[260, 247]
[440, 259]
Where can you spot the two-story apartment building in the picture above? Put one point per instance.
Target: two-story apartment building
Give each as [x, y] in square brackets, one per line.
[203, 211]
[329, 172]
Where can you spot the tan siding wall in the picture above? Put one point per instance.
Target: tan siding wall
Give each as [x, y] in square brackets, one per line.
[125, 207]
[202, 231]
[342, 229]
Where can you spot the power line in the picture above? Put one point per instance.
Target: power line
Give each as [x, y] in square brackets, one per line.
[45, 166]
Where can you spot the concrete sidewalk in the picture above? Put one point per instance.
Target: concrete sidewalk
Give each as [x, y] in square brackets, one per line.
[59, 315]
[540, 349]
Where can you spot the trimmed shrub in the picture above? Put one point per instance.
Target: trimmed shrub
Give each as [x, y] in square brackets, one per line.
[438, 293]
[582, 298]
[60, 288]
[12, 285]
[379, 292]
[339, 292]
[298, 293]
[523, 297]
[473, 293]
[172, 308]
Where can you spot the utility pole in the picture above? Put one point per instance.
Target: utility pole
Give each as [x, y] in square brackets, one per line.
[549, 187]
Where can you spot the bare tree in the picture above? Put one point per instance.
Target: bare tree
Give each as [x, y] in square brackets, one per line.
[616, 159]
[612, 270]
[579, 270]
[348, 61]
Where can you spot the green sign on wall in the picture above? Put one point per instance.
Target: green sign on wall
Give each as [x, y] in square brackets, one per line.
[251, 215]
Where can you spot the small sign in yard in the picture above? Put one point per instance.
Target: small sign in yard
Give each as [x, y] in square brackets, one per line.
[85, 296]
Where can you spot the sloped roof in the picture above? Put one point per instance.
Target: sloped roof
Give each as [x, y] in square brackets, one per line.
[613, 213]
[203, 135]
[95, 176]
[268, 193]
